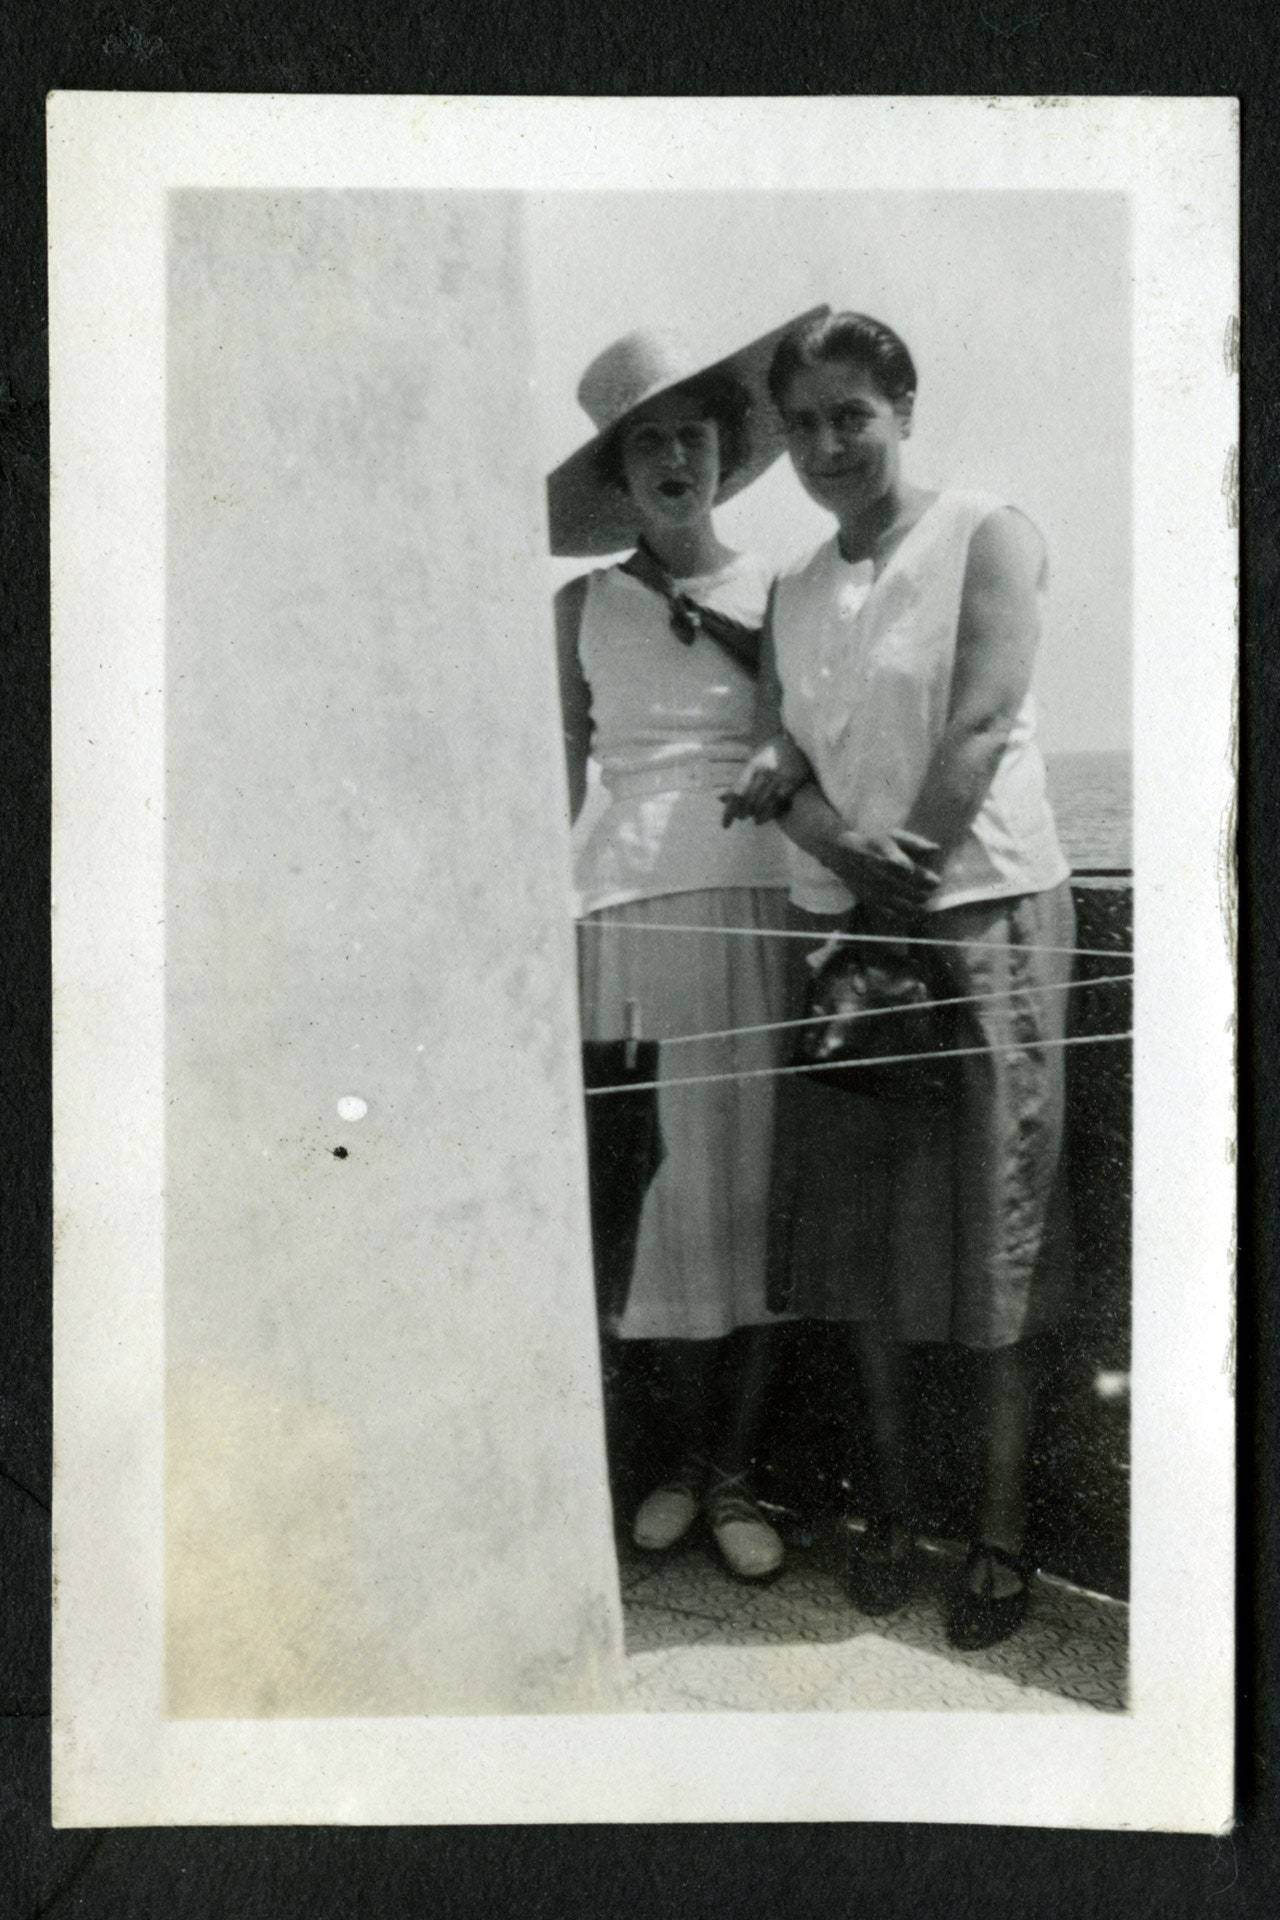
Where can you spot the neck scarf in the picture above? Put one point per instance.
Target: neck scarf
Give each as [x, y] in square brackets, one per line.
[689, 619]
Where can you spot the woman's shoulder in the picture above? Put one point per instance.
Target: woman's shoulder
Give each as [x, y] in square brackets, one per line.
[570, 592]
[747, 573]
[570, 598]
[989, 527]
[975, 507]
[596, 607]
[740, 587]
[576, 589]
[749, 566]
[1001, 533]
[810, 563]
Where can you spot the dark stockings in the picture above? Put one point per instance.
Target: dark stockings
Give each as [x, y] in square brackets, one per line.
[1006, 1388]
[1004, 1405]
[717, 1391]
[881, 1367]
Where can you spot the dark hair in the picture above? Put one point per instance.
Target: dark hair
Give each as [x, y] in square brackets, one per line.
[854, 337]
[720, 397]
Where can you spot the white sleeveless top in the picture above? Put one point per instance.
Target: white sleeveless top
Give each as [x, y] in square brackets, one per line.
[671, 731]
[866, 667]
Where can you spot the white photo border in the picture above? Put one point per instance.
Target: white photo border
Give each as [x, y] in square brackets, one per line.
[117, 1759]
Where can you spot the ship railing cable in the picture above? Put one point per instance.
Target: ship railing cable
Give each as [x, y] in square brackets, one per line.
[861, 939]
[852, 1066]
[873, 1013]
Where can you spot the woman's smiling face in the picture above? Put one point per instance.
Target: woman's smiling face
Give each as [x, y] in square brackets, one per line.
[844, 436]
[670, 456]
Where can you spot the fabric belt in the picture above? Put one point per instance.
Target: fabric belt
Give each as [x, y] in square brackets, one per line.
[692, 776]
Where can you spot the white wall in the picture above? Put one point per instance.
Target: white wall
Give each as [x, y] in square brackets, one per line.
[384, 1441]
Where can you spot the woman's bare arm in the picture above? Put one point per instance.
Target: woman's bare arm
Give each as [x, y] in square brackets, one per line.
[995, 651]
[897, 869]
[575, 694]
[768, 713]
[777, 768]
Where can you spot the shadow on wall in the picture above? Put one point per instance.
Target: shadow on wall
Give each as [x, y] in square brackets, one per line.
[813, 1456]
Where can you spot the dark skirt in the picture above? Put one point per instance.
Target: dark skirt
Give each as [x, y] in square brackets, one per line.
[939, 1223]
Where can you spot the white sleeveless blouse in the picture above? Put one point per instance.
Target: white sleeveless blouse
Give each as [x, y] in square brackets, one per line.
[671, 730]
[866, 667]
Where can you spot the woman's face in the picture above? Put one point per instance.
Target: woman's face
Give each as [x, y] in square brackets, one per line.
[671, 461]
[844, 436]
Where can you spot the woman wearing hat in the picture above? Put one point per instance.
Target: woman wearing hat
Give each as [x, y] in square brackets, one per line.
[904, 649]
[658, 658]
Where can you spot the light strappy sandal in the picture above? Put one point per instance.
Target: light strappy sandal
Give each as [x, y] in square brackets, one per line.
[667, 1514]
[751, 1549]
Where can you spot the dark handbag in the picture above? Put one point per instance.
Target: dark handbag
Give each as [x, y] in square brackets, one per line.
[870, 1001]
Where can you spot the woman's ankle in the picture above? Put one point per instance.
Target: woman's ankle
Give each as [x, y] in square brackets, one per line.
[888, 1536]
[996, 1569]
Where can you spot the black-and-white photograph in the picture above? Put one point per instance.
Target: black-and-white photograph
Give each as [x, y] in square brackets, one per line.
[643, 767]
[853, 903]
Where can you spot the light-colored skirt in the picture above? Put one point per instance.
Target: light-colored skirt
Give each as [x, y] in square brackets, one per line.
[700, 1257]
[946, 1223]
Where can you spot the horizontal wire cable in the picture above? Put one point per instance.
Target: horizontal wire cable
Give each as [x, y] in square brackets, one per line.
[848, 1066]
[871, 1013]
[869, 939]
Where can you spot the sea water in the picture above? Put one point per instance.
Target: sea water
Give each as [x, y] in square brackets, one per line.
[1092, 797]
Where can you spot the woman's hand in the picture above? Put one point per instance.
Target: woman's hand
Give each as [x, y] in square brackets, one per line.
[765, 787]
[895, 869]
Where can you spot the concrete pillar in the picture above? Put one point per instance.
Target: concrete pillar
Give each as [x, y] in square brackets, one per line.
[384, 1447]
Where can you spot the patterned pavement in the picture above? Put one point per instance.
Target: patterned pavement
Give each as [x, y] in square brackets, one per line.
[698, 1641]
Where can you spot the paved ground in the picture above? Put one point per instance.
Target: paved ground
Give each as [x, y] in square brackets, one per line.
[698, 1641]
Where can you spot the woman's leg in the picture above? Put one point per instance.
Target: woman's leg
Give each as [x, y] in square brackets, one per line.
[751, 1548]
[881, 1569]
[716, 1392]
[686, 1372]
[745, 1376]
[1011, 1274]
[1006, 1389]
[714, 1451]
[882, 1369]
[991, 1600]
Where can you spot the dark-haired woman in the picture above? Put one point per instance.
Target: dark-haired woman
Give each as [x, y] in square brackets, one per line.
[658, 661]
[901, 659]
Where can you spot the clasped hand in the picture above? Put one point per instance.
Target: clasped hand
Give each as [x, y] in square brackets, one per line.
[765, 787]
[894, 869]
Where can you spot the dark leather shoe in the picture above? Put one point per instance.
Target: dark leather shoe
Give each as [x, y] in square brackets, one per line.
[877, 1580]
[978, 1616]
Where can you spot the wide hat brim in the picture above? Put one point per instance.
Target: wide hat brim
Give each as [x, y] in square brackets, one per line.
[587, 516]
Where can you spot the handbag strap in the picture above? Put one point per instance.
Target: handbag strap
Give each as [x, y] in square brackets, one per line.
[689, 618]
